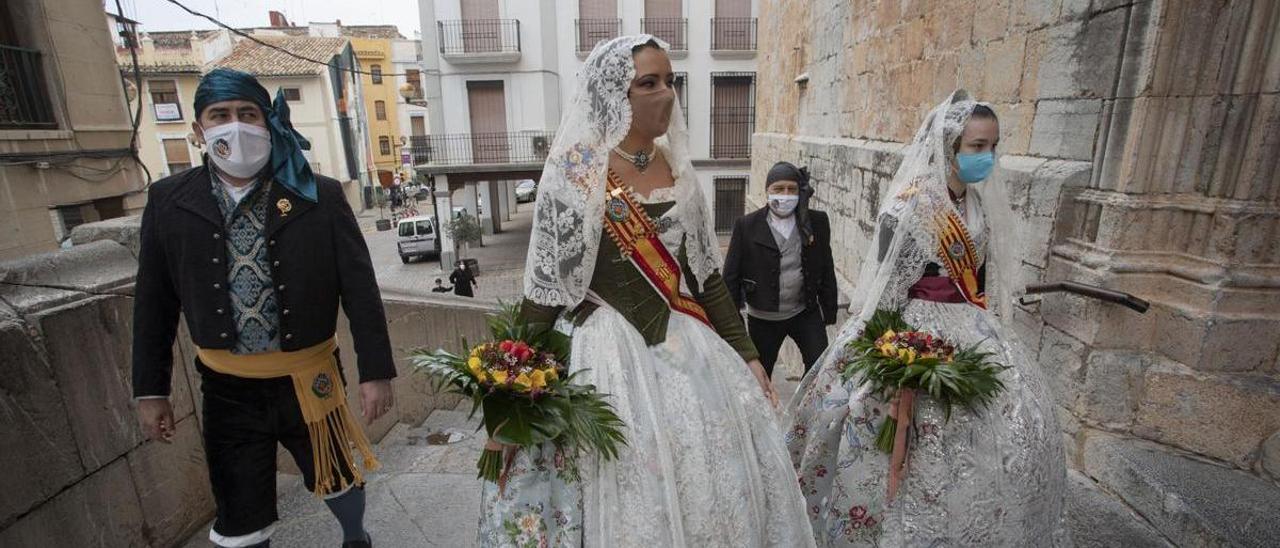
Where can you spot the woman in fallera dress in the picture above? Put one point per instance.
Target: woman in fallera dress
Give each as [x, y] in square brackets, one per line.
[623, 254]
[990, 477]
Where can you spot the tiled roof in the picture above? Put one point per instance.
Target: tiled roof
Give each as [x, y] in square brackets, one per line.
[177, 39]
[388, 32]
[161, 68]
[259, 60]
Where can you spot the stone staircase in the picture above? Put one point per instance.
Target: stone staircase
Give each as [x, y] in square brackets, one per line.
[425, 494]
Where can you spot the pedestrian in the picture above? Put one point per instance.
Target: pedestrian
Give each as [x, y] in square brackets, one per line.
[780, 267]
[463, 281]
[440, 287]
[225, 245]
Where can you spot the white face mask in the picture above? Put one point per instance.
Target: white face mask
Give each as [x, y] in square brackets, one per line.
[238, 149]
[783, 205]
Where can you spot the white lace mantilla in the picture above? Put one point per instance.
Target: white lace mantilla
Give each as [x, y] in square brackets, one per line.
[568, 217]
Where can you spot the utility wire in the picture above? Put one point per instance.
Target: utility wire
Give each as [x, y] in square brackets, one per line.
[248, 36]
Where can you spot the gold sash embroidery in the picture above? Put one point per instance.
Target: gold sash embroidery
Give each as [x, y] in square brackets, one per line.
[637, 238]
[956, 250]
[323, 400]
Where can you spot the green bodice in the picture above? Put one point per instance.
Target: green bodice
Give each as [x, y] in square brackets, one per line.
[620, 284]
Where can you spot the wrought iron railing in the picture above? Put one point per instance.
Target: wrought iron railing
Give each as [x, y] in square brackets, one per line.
[733, 34]
[731, 129]
[671, 30]
[594, 31]
[516, 147]
[24, 101]
[479, 36]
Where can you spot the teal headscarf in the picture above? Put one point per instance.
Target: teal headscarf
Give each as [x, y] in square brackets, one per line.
[288, 166]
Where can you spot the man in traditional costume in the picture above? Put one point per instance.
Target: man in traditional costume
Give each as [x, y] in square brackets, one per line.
[257, 252]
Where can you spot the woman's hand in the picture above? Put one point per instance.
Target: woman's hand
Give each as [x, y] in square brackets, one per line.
[765, 384]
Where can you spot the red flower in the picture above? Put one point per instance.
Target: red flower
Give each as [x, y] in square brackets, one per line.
[506, 346]
[857, 513]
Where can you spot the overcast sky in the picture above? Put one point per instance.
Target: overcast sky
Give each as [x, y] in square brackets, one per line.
[158, 15]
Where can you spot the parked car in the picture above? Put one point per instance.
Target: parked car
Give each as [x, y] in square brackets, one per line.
[526, 191]
[419, 237]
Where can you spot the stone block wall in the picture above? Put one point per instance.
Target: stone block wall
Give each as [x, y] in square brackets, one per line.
[1139, 141]
[77, 469]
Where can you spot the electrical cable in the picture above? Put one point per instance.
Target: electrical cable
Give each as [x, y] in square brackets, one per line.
[254, 39]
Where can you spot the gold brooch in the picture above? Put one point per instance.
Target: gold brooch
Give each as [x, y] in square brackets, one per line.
[285, 206]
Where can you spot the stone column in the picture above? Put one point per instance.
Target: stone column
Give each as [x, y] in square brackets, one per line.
[444, 214]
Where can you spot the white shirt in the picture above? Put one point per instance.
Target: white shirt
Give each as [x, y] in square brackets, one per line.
[237, 193]
[786, 226]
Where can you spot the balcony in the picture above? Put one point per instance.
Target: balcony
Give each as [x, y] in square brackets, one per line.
[594, 31]
[522, 149]
[673, 31]
[24, 101]
[473, 41]
[733, 37]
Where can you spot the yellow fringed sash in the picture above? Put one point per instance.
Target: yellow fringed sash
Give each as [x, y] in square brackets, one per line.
[323, 400]
[956, 252]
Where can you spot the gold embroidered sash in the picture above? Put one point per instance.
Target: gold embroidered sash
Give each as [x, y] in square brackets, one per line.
[323, 400]
[956, 251]
[637, 238]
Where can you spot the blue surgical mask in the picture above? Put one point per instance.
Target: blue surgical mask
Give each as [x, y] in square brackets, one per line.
[975, 167]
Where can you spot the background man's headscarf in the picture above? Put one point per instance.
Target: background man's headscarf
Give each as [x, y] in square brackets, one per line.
[786, 171]
[288, 166]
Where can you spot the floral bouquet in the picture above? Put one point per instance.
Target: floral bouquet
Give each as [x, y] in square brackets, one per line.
[897, 360]
[518, 382]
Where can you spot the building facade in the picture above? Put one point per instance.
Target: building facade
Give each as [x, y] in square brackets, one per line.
[406, 57]
[498, 74]
[1139, 139]
[65, 129]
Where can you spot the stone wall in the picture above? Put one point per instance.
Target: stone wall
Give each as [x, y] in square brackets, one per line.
[1140, 141]
[77, 470]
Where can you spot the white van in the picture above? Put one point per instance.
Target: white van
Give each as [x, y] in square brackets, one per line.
[419, 237]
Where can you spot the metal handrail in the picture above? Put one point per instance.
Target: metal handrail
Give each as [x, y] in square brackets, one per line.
[593, 31]
[470, 36]
[733, 33]
[1092, 291]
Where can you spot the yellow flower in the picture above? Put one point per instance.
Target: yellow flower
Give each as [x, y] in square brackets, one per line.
[552, 374]
[538, 379]
[475, 366]
[499, 377]
[906, 354]
[888, 335]
[887, 350]
[523, 380]
[475, 352]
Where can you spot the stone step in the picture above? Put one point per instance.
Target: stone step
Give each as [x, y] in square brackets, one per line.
[1196, 502]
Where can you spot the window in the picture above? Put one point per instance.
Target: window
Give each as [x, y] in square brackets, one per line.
[164, 100]
[375, 73]
[682, 93]
[380, 109]
[730, 201]
[424, 228]
[412, 77]
[292, 95]
[406, 230]
[733, 113]
[384, 145]
[177, 157]
[419, 125]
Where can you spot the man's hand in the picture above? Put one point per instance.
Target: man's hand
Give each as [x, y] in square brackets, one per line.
[376, 398]
[765, 384]
[156, 416]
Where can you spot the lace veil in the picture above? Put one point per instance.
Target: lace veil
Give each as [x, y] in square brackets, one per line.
[906, 238]
[568, 216]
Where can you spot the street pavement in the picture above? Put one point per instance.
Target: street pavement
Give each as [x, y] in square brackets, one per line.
[500, 256]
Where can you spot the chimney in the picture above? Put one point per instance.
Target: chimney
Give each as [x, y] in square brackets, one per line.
[277, 19]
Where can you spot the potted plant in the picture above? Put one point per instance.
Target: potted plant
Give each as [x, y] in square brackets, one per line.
[464, 230]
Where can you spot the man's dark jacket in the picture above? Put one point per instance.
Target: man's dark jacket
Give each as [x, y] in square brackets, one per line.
[753, 264]
[318, 257]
